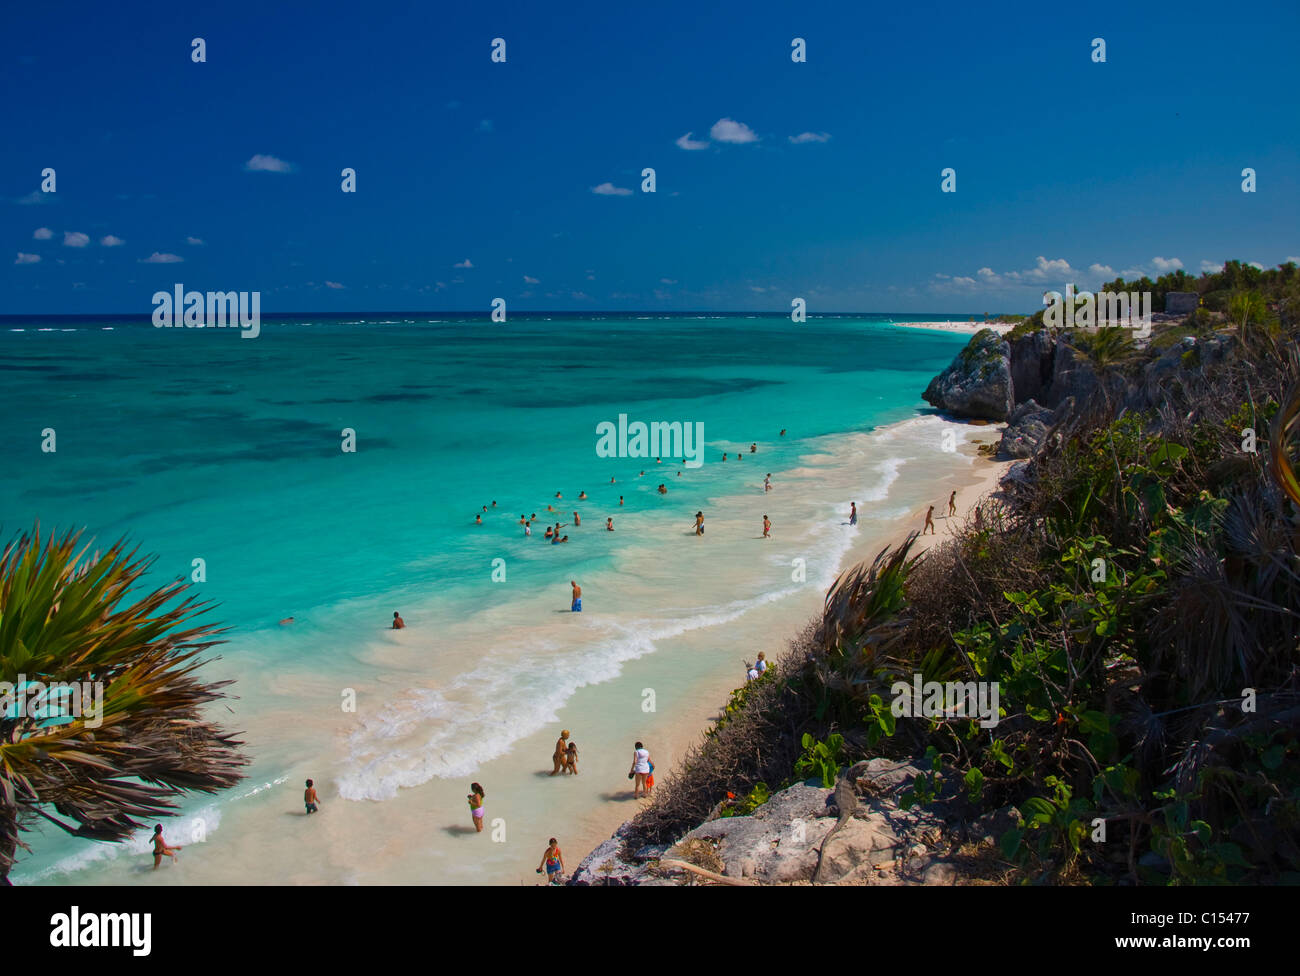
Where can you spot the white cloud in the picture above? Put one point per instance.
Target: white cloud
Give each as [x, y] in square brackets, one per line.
[803, 137]
[463, 264]
[1287, 261]
[42, 234]
[267, 164]
[332, 284]
[531, 281]
[1166, 264]
[988, 274]
[156, 258]
[197, 242]
[610, 190]
[1101, 270]
[108, 240]
[729, 130]
[75, 238]
[1211, 267]
[686, 142]
[27, 258]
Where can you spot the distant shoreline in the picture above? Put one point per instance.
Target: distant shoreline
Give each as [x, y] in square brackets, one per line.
[963, 328]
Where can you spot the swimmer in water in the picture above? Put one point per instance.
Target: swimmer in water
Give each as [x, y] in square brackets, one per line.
[581, 495]
[609, 524]
[782, 431]
[753, 448]
[724, 455]
[478, 519]
[558, 495]
[620, 499]
[398, 622]
[286, 621]
[663, 489]
[577, 520]
[528, 528]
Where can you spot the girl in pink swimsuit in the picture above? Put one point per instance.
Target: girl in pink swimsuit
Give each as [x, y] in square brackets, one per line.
[476, 805]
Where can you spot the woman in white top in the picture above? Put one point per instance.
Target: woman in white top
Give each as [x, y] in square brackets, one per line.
[640, 770]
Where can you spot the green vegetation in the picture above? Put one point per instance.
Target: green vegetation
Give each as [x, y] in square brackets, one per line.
[98, 772]
[1136, 597]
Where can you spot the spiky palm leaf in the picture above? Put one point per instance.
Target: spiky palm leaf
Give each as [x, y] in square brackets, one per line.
[1284, 443]
[64, 618]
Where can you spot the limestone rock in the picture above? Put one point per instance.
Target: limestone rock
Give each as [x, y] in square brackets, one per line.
[978, 383]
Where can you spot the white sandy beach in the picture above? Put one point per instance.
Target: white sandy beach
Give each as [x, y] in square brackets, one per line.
[962, 328]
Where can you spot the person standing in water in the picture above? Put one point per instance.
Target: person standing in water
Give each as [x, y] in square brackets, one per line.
[699, 523]
[398, 622]
[476, 794]
[929, 522]
[853, 513]
[576, 605]
[553, 861]
[620, 499]
[309, 798]
[767, 482]
[561, 745]
[640, 770]
[577, 520]
[609, 524]
[571, 759]
[952, 504]
[753, 448]
[160, 848]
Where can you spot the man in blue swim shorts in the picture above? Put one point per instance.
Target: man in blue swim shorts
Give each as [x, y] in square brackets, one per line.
[577, 597]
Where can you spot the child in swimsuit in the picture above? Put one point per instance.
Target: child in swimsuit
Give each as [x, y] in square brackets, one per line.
[571, 759]
[553, 861]
[310, 799]
[476, 805]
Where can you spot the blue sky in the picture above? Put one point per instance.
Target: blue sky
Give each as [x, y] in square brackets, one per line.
[1062, 164]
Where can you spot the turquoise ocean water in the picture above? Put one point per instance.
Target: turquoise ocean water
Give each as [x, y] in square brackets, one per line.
[200, 444]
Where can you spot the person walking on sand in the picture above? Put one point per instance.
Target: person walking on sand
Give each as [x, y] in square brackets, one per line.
[476, 794]
[571, 759]
[398, 622]
[553, 861]
[699, 523]
[929, 522]
[640, 770]
[560, 747]
[309, 798]
[160, 848]
[767, 482]
[767, 527]
[576, 605]
[952, 504]
[853, 513]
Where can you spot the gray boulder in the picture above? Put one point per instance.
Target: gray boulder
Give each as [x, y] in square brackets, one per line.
[1026, 430]
[978, 383]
